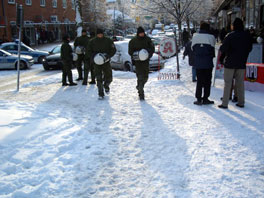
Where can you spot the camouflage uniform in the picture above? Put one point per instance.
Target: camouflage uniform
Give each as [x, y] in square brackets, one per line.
[142, 67]
[103, 73]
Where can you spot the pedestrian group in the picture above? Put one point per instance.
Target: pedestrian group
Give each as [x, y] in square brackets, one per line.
[234, 51]
[96, 51]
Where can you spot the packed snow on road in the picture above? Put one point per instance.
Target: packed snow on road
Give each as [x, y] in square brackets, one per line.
[63, 142]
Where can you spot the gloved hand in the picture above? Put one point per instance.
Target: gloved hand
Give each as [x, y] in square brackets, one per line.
[150, 52]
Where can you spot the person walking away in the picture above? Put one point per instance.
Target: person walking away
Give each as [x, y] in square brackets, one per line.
[222, 34]
[203, 46]
[66, 56]
[185, 37]
[88, 64]
[139, 42]
[100, 49]
[236, 47]
[79, 46]
[188, 52]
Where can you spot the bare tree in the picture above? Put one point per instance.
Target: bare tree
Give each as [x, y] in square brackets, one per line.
[94, 13]
[180, 10]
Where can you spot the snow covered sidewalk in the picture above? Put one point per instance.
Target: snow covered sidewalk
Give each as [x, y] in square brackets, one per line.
[62, 142]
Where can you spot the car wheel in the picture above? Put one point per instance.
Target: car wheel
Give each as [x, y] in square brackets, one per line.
[23, 65]
[46, 67]
[128, 66]
[40, 59]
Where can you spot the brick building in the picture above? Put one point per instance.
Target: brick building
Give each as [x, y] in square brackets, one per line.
[44, 20]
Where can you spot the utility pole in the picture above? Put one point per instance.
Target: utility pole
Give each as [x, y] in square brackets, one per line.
[19, 23]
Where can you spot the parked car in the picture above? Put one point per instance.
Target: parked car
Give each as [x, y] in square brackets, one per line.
[10, 61]
[53, 60]
[122, 60]
[12, 47]
[130, 36]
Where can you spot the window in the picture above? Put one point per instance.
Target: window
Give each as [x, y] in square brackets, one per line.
[42, 3]
[64, 3]
[10, 47]
[54, 3]
[11, 1]
[28, 2]
[54, 18]
[23, 48]
[73, 4]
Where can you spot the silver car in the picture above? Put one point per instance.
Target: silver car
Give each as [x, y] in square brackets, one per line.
[10, 61]
[122, 60]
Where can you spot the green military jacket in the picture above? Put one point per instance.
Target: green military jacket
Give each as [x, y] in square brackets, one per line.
[100, 45]
[66, 52]
[137, 43]
[81, 41]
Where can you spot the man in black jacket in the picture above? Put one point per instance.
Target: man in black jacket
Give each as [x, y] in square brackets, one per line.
[236, 47]
[139, 42]
[66, 56]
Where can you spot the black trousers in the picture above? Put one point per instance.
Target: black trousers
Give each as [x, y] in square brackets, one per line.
[203, 86]
[66, 72]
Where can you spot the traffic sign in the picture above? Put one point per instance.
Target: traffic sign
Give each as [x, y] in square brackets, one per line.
[167, 47]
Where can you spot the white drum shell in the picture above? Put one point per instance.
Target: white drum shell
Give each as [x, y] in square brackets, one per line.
[74, 57]
[79, 50]
[143, 55]
[100, 59]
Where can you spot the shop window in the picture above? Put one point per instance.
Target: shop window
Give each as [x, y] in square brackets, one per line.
[28, 2]
[53, 18]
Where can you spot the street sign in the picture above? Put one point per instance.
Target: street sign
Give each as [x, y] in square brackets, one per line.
[167, 47]
[19, 15]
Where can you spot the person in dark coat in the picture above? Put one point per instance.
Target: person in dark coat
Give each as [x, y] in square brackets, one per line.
[185, 37]
[88, 64]
[222, 34]
[80, 44]
[26, 40]
[139, 42]
[103, 72]
[236, 48]
[203, 46]
[66, 57]
[188, 52]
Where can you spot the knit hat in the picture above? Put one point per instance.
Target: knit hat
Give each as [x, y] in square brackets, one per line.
[140, 30]
[83, 30]
[99, 31]
[65, 37]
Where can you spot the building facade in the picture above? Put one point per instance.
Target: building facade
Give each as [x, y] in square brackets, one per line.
[250, 11]
[44, 20]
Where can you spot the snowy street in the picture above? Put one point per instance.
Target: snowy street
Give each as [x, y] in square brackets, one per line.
[63, 142]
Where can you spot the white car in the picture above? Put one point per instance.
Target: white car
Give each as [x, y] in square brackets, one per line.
[10, 61]
[122, 60]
